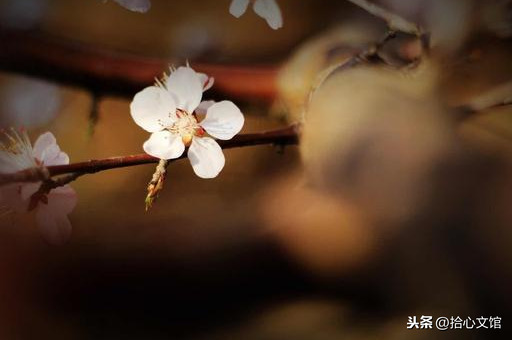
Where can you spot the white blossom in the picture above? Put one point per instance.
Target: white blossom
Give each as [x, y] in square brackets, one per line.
[267, 9]
[28, 102]
[169, 111]
[51, 210]
[141, 6]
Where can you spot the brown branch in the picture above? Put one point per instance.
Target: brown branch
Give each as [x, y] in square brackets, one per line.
[105, 71]
[284, 136]
[50, 184]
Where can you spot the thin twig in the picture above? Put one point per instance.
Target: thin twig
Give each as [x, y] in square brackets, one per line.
[394, 21]
[284, 136]
[497, 97]
[368, 54]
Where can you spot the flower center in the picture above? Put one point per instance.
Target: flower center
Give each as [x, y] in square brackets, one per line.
[16, 149]
[186, 126]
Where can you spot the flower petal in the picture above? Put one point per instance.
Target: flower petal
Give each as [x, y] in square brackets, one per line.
[28, 189]
[206, 81]
[204, 106]
[48, 152]
[63, 199]
[206, 157]
[223, 120]
[238, 7]
[141, 6]
[270, 11]
[153, 109]
[43, 142]
[53, 156]
[61, 158]
[52, 218]
[164, 145]
[9, 163]
[185, 86]
[55, 229]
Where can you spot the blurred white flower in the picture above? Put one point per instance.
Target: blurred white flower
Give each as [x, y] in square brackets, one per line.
[28, 102]
[17, 154]
[141, 6]
[169, 111]
[267, 9]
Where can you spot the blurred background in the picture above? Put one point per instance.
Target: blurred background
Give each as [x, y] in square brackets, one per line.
[392, 206]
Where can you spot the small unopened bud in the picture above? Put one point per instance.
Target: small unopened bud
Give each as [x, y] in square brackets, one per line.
[157, 183]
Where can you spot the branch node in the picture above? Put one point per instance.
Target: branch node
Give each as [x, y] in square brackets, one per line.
[48, 185]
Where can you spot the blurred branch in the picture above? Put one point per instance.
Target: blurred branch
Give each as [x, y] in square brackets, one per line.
[394, 21]
[369, 54]
[284, 136]
[497, 97]
[105, 71]
[396, 24]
